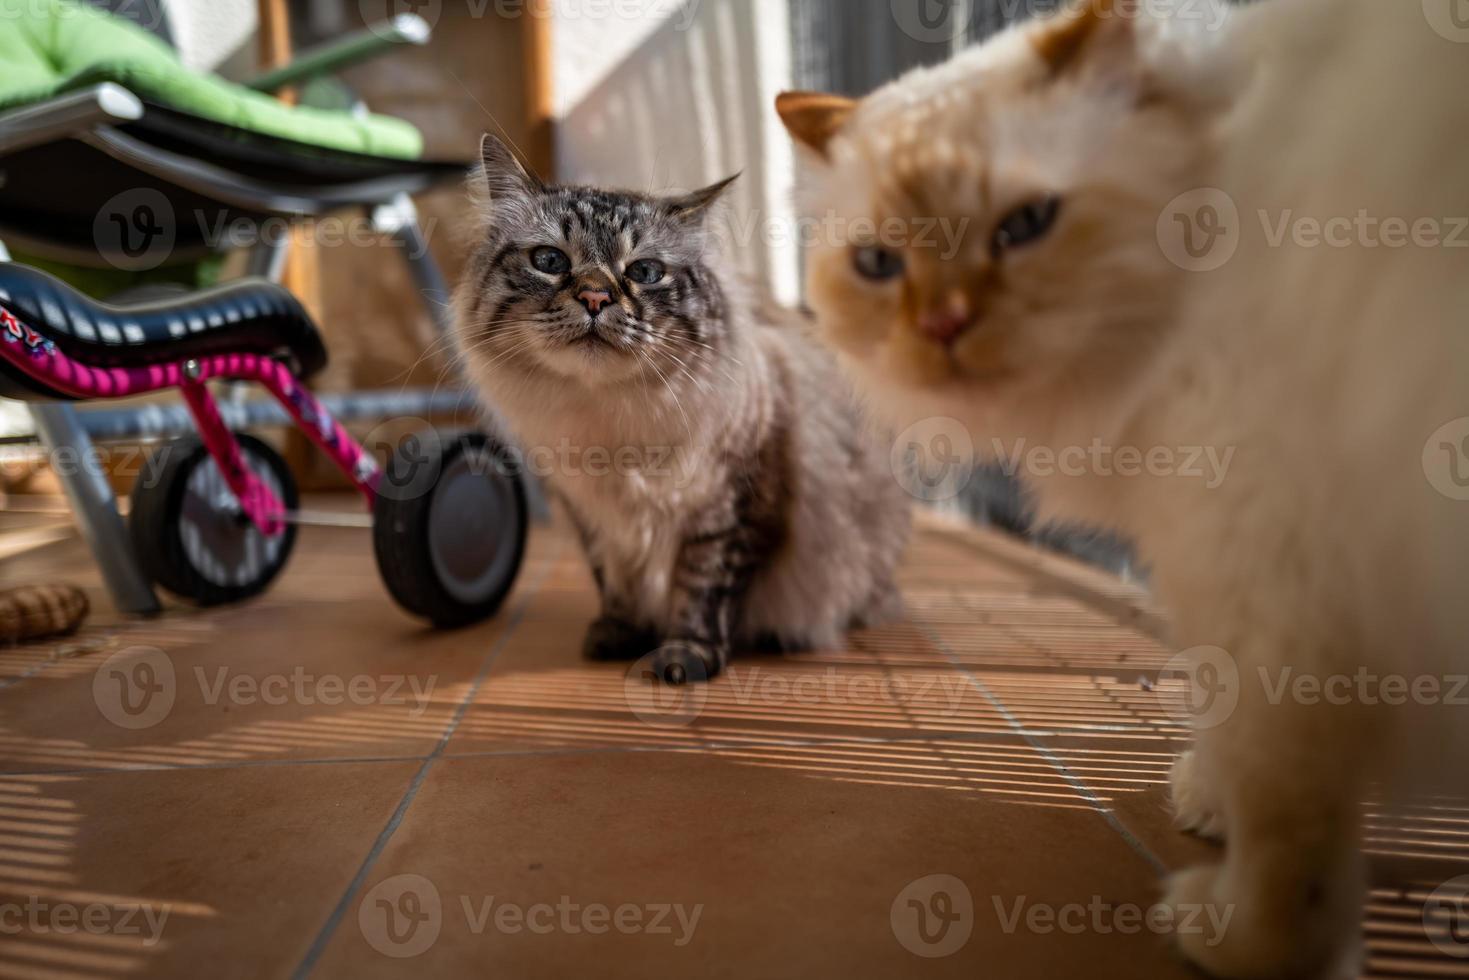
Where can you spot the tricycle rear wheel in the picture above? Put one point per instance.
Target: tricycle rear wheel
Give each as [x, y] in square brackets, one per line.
[449, 528]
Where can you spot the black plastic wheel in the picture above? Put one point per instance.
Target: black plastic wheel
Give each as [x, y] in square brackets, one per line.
[189, 532]
[449, 528]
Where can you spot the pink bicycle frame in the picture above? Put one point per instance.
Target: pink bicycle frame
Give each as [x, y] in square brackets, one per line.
[38, 358]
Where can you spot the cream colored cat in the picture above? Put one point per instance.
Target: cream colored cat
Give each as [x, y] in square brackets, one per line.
[1142, 271]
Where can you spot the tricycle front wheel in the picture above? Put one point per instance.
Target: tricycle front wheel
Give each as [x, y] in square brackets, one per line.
[190, 533]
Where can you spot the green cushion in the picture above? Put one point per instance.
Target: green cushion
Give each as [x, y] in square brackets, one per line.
[48, 47]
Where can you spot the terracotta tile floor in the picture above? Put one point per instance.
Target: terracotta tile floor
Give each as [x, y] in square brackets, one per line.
[327, 789]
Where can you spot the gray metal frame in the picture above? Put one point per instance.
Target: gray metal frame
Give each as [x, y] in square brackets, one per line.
[231, 188]
[67, 115]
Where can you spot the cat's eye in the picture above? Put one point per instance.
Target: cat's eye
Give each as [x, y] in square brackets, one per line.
[876, 263]
[1027, 223]
[551, 261]
[645, 272]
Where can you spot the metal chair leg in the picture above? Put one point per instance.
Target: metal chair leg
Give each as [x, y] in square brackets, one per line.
[95, 506]
[94, 503]
[401, 221]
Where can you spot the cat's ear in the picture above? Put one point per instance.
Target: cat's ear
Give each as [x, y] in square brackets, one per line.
[695, 204]
[1093, 36]
[813, 118]
[501, 173]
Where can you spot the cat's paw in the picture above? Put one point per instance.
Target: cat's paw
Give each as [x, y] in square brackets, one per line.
[1236, 936]
[1220, 951]
[680, 662]
[1196, 807]
[613, 639]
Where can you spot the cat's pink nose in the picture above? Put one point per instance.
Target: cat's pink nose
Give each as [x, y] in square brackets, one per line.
[594, 299]
[945, 326]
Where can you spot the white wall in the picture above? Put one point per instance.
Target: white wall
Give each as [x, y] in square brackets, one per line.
[208, 32]
[660, 95]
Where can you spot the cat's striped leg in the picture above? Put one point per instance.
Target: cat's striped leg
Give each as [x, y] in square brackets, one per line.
[709, 583]
[620, 632]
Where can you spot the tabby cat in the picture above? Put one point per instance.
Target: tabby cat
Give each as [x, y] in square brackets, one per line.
[1140, 274]
[725, 485]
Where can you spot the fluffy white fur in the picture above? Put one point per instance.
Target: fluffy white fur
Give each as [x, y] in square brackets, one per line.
[1326, 369]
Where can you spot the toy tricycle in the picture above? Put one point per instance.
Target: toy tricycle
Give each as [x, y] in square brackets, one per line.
[216, 519]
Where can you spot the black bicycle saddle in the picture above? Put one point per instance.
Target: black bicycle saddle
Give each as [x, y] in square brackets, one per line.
[249, 316]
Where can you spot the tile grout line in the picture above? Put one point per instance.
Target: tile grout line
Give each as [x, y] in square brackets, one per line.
[329, 928]
[1065, 771]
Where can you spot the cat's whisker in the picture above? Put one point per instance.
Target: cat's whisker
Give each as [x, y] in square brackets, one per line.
[719, 353]
[715, 362]
[444, 343]
[486, 343]
[668, 386]
[519, 348]
[699, 383]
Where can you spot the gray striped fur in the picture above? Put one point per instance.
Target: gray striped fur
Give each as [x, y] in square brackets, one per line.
[760, 510]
